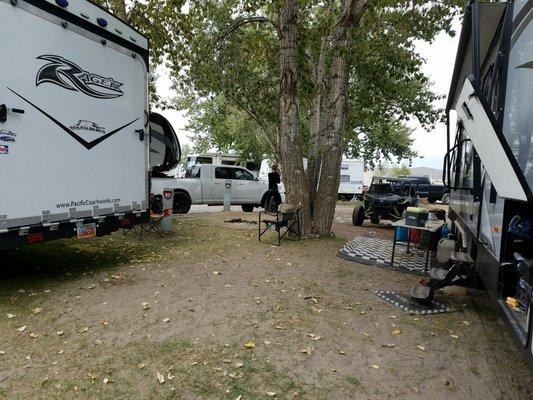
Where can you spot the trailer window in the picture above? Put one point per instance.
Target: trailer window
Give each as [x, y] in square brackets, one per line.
[345, 178]
[517, 123]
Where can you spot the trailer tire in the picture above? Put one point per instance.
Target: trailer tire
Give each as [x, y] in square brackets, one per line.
[358, 216]
[248, 208]
[181, 203]
[446, 199]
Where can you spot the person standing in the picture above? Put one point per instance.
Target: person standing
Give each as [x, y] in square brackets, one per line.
[272, 199]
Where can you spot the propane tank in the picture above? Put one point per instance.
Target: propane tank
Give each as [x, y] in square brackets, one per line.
[445, 249]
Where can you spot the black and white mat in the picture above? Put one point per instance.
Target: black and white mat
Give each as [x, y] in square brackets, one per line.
[404, 303]
[378, 252]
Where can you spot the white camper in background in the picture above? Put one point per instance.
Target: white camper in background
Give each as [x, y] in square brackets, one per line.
[74, 113]
[351, 180]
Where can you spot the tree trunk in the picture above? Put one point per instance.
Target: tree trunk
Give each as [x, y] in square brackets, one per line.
[335, 111]
[289, 129]
[313, 163]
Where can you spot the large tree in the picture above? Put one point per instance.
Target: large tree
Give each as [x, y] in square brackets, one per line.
[307, 78]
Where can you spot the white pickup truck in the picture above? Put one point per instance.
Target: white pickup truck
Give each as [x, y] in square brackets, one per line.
[206, 184]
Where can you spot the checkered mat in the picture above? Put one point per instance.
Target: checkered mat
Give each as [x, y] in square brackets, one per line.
[378, 252]
[404, 303]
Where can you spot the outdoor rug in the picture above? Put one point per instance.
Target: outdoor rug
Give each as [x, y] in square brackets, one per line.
[404, 303]
[377, 252]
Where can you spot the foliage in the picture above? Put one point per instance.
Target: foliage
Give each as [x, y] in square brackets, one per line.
[401, 170]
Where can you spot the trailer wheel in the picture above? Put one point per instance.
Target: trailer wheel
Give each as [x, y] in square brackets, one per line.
[247, 208]
[182, 203]
[446, 199]
[358, 215]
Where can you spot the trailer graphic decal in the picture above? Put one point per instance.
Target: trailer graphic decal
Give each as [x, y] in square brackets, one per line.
[88, 126]
[68, 75]
[4, 149]
[83, 142]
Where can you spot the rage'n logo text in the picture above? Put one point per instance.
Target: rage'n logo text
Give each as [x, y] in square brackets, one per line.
[68, 75]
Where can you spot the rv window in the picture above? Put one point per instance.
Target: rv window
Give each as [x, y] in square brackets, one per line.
[223, 173]
[345, 178]
[204, 160]
[519, 97]
[228, 162]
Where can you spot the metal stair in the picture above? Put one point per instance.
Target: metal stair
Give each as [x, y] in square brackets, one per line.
[440, 278]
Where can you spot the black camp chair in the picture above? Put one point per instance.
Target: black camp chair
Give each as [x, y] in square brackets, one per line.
[287, 219]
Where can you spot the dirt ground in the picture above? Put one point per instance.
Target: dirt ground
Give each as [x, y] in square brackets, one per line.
[217, 315]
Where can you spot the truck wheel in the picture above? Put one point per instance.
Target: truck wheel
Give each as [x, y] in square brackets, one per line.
[375, 219]
[358, 215]
[247, 207]
[182, 203]
[446, 199]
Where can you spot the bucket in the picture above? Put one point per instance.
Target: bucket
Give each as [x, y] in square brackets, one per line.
[402, 234]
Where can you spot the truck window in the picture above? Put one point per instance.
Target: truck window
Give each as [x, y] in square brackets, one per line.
[193, 172]
[223, 173]
[242, 175]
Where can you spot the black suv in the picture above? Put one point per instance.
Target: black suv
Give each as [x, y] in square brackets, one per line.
[387, 198]
[431, 191]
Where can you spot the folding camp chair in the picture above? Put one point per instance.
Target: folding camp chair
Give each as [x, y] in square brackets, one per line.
[287, 218]
[157, 213]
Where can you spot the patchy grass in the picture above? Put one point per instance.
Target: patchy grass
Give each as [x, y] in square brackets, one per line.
[184, 304]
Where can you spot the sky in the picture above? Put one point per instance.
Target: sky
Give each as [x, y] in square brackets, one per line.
[440, 60]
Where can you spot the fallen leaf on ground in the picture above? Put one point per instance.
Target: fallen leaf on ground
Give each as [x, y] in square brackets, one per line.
[374, 366]
[388, 345]
[317, 310]
[239, 365]
[166, 320]
[141, 366]
[22, 328]
[226, 361]
[421, 348]
[342, 352]
[92, 376]
[396, 331]
[216, 273]
[160, 378]
[60, 333]
[146, 306]
[306, 351]
[10, 316]
[466, 323]
[170, 376]
[249, 345]
[106, 381]
[455, 336]
[280, 327]
[2, 352]
[267, 342]
[84, 329]
[315, 338]
[239, 397]
[34, 335]
[271, 394]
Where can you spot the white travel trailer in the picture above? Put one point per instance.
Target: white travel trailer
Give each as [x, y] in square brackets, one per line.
[351, 182]
[74, 123]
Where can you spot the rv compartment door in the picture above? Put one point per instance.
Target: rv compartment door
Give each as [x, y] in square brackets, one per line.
[486, 138]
